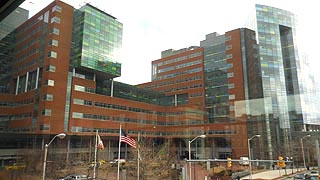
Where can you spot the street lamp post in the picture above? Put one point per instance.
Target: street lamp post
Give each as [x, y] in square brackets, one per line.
[257, 135]
[201, 136]
[301, 140]
[61, 136]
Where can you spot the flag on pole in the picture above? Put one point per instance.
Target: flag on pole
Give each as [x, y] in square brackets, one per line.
[127, 139]
[100, 143]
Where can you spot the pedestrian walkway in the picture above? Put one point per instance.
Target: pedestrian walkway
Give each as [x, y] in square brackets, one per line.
[272, 174]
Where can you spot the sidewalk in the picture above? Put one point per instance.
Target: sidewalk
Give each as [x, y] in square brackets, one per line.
[272, 174]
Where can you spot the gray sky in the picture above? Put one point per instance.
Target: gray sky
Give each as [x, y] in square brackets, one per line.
[150, 27]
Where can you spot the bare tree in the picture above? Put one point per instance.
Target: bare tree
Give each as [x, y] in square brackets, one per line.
[156, 162]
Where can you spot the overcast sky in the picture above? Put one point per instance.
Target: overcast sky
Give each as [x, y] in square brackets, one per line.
[152, 26]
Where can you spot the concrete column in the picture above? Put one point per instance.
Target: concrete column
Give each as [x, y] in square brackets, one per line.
[17, 85]
[26, 86]
[175, 100]
[37, 78]
[111, 88]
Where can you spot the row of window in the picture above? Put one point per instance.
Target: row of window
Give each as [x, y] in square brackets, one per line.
[131, 120]
[26, 82]
[26, 65]
[114, 106]
[16, 103]
[167, 76]
[31, 78]
[167, 83]
[26, 55]
[179, 66]
[121, 107]
[180, 88]
[193, 95]
[154, 133]
[25, 46]
[21, 116]
[133, 109]
[33, 41]
[84, 89]
[178, 59]
[30, 25]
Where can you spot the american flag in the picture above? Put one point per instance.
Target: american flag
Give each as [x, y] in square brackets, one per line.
[127, 139]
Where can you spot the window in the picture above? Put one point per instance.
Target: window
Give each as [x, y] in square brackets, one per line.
[51, 68]
[46, 112]
[53, 42]
[230, 75]
[52, 54]
[40, 18]
[230, 65]
[228, 47]
[44, 127]
[232, 96]
[55, 20]
[229, 56]
[79, 88]
[47, 97]
[78, 101]
[49, 82]
[46, 17]
[56, 31]
[56, 8]
[77, 115]
[230, 86]
[228, 38]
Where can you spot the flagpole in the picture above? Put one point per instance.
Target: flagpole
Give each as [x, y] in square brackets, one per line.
[119, 153]
[95, 156]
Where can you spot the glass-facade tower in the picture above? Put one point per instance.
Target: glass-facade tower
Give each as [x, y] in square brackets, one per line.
[97, 40]
[215, 76]
[282, 81]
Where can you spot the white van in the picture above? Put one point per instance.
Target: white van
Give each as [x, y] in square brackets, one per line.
[244, 161]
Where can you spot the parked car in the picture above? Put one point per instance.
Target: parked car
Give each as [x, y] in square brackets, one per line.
[314, 177]
[75, 177]
[314, 173]
[301, 176]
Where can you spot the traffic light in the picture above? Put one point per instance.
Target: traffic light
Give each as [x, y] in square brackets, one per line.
[281, 162]
[229, 163]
